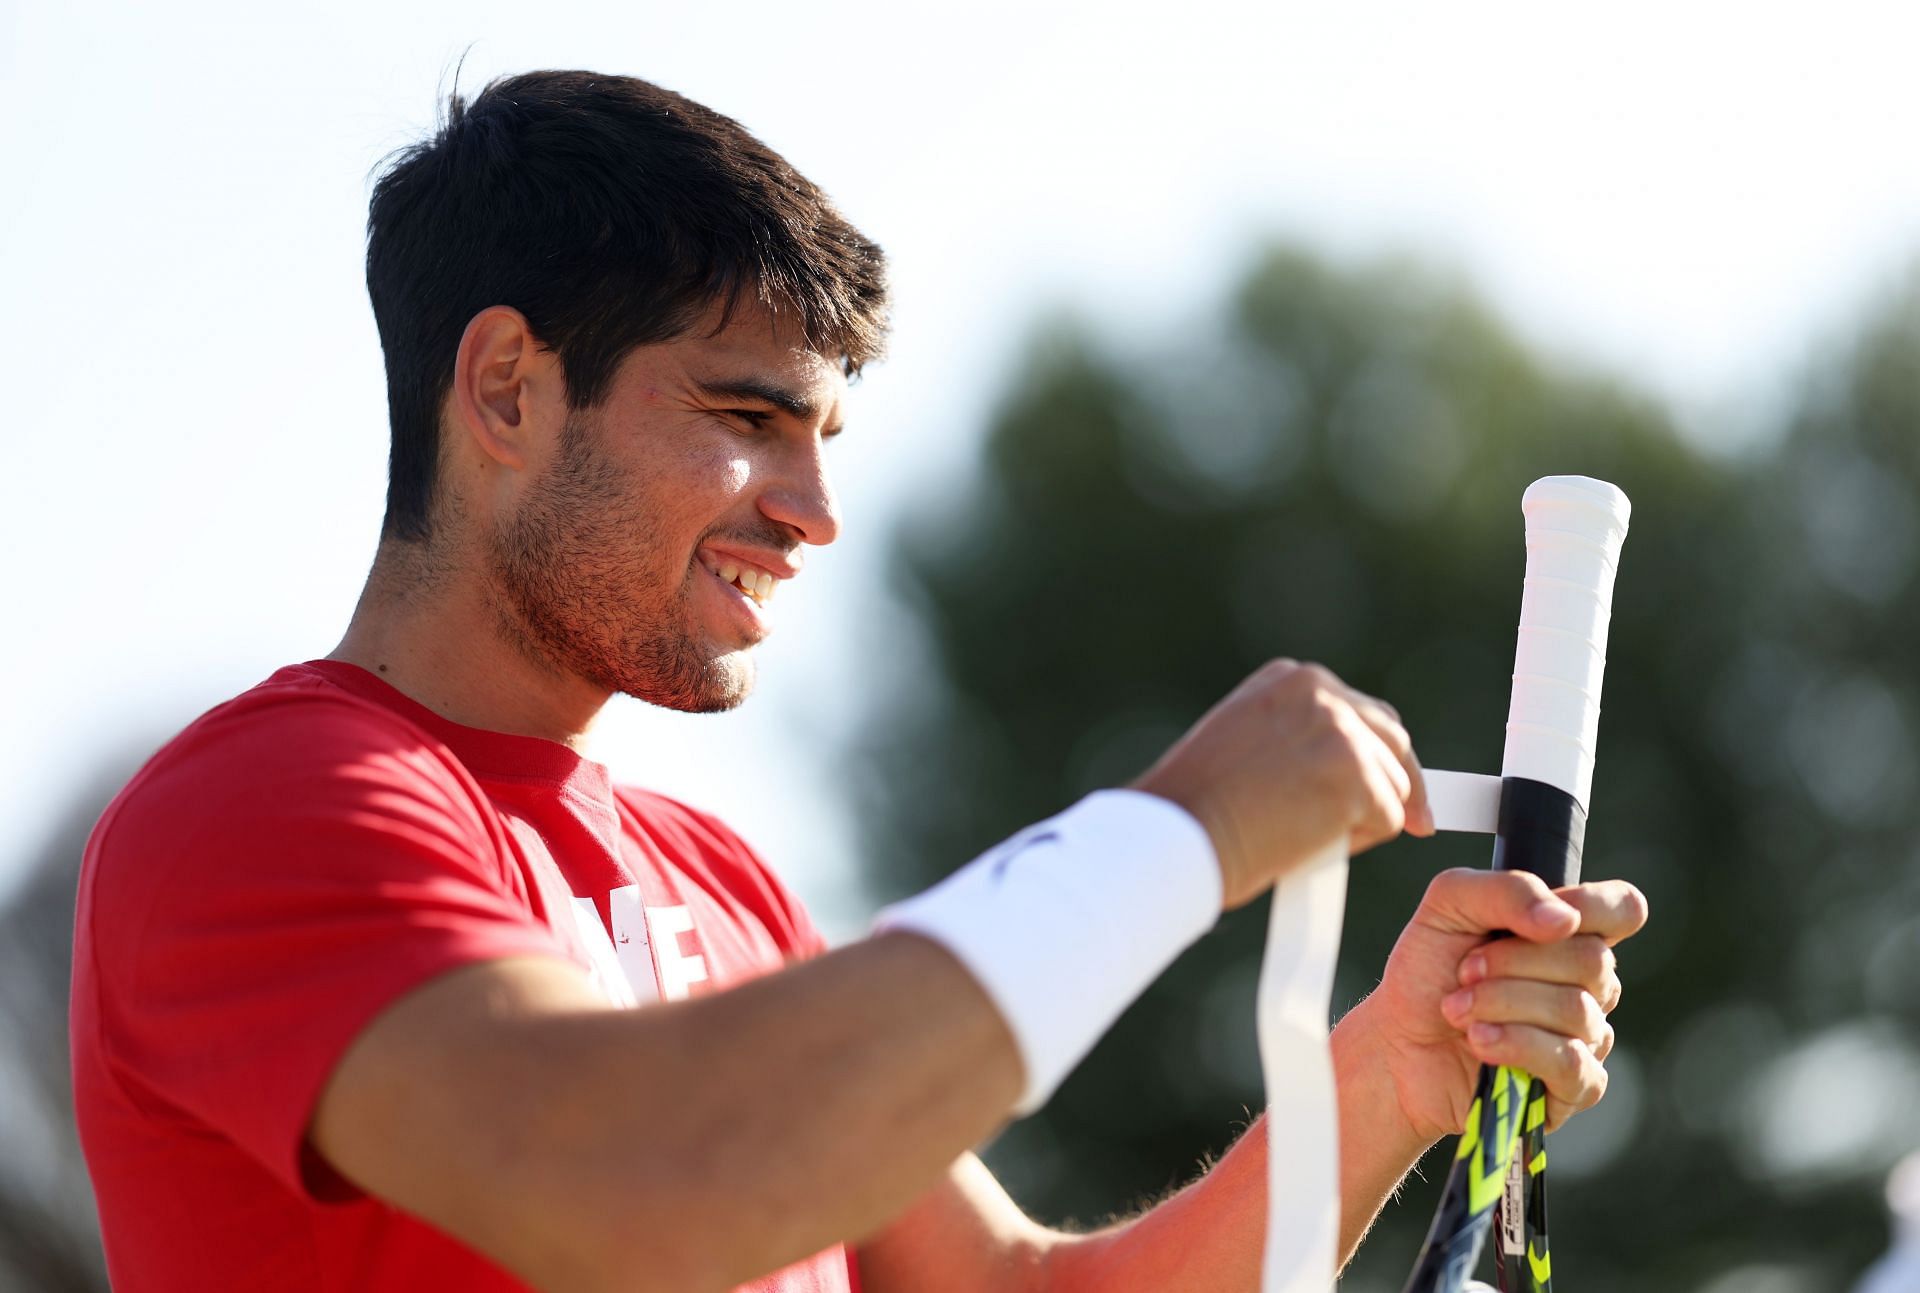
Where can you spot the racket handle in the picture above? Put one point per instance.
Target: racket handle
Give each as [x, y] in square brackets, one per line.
[1575, 526]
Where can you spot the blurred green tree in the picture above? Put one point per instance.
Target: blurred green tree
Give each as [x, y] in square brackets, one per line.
[1333, 471]
[49, 1232]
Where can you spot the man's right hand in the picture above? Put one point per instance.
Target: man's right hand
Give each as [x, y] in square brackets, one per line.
[1290, 762]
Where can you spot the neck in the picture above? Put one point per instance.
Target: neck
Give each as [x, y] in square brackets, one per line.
[429, 623]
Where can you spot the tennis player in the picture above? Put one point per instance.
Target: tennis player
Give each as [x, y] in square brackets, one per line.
[380, 985]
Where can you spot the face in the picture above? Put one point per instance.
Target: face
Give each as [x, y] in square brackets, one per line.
[643, 553]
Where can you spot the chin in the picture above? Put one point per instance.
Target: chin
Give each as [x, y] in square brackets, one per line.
[710, 687]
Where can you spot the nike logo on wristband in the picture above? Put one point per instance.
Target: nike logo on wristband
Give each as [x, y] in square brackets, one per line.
[1016, 847]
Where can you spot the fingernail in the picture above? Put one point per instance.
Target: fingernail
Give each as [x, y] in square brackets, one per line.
[1473, 969]
[1484, 1033]
[1455, 1004]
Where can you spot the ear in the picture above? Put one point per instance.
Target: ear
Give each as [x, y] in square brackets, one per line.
[507, 389]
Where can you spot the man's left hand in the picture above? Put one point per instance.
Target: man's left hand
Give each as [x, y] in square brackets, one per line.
[1454, 998]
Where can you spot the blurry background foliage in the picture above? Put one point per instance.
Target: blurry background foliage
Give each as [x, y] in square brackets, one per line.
[1331, 468]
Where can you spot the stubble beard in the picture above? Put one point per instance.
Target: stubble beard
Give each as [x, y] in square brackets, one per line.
[578, 583]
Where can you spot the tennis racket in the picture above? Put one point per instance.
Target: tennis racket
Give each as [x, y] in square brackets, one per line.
[1575, 526]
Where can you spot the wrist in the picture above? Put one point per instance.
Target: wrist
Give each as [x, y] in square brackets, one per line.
[1234, 891]
[1065, 923]
[1373, 1119]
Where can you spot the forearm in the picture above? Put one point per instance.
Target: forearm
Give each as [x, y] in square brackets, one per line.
[1377, 1146]
[702, 1143]
[1210, 1236]
[827, 1100]
[1207, 1238]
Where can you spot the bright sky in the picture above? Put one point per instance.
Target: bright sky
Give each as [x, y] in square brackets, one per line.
[195, 438]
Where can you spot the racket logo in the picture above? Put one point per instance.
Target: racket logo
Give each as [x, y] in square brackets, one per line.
[1488, 1143]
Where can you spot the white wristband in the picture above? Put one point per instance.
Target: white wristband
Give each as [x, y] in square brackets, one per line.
[1068, 921]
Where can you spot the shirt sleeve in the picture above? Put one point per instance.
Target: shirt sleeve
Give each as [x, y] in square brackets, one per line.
[264, 889]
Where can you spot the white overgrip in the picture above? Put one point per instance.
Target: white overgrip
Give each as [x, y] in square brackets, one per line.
[1575, 526]
[1303, 1151]
[1463, 801]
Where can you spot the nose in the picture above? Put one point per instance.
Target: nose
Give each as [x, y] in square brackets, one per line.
[803, 498]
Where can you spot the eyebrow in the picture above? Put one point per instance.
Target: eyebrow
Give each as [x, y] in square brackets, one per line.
[762, 392]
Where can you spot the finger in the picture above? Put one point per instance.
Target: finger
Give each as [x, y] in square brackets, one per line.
[1613, 909]
[1367, 770]
[1574, 1077]
[1384, 719]
[1384, 813]
[1419, 808]
[1550, 1007]
[1375, 759]
[1583, 961]
[1367, 740]
[1468, 901]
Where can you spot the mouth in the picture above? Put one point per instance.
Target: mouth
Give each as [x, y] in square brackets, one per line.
[758, 585]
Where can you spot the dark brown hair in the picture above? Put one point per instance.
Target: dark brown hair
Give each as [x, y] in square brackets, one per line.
[612, 214]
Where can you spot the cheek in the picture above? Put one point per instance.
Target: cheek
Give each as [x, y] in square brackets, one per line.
[701, 494]
[717, 463]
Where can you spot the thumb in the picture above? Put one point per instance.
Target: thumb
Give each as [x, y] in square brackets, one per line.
[1467, 901]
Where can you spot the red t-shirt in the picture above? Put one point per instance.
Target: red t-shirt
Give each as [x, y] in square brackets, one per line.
[294, 862]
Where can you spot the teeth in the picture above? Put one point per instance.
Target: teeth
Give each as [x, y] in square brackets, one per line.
[757, 584]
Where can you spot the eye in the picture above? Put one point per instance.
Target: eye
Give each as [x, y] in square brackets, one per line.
[756, 419]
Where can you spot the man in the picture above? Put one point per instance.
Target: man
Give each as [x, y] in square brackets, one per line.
[358, 954]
